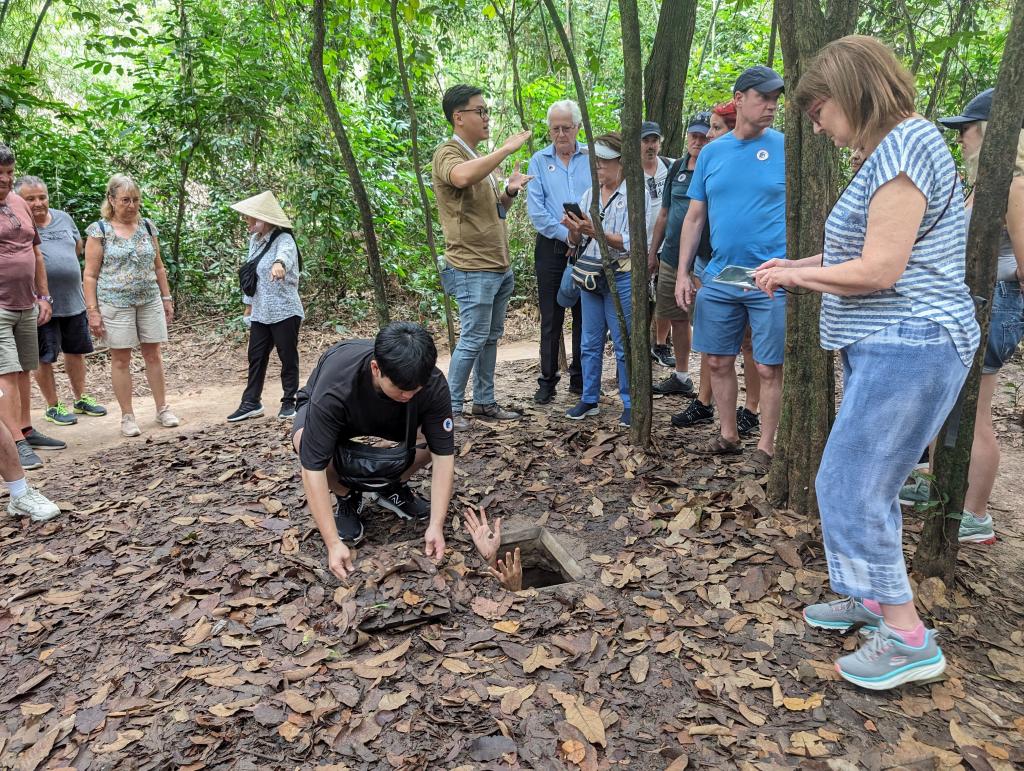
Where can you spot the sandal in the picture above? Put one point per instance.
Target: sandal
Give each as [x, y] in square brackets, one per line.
[717, 446]
[760, 462]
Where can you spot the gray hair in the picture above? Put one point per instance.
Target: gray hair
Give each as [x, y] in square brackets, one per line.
[567, 106]
[31, 181]
[6, 155]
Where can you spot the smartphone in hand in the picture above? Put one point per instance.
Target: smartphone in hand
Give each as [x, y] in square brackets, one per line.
[573, 208]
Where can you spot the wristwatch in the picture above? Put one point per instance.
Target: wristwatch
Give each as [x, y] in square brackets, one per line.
[509, 193]
[45, 297]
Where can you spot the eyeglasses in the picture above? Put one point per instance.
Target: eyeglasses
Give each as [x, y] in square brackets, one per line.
[814, 111]
[483, 112]
[14, 219]
[564, 129]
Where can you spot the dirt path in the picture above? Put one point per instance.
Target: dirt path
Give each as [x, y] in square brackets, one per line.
[197, 408]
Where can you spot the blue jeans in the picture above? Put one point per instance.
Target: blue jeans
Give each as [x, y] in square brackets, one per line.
[483, 297]
[599, 318]
[1006, 325]
[878, 436]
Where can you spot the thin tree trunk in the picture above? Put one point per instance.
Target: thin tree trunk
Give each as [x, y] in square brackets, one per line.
[939, 84]
[808, 397]
[35, 31]
[428, 220]
[185, 165]
[323, 88]
[638, 352]
[508, 24]
[707, 37]
[3, 12]
[595, 202]
[770, 59]
[936, 554]
[665, 73]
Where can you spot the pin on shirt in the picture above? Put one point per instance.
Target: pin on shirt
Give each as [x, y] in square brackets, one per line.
[762, 155]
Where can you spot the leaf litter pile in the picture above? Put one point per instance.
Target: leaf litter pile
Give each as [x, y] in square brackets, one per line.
[180, 615]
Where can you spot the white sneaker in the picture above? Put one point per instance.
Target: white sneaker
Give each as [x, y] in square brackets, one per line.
[166, 418]
[33, 505]
[128, 426]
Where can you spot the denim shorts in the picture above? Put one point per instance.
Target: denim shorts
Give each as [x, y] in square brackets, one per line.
[1006, 326]
[64, 334]
[721, 314]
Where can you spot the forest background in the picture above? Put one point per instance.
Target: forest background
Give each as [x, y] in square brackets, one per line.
[206, 102]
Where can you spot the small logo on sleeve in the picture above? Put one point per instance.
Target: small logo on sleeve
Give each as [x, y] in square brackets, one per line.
[448, 425]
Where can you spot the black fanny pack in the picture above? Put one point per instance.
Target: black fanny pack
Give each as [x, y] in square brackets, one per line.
[370, 469]
[248, 279]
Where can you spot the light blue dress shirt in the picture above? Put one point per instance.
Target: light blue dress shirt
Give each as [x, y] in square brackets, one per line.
[554, 184]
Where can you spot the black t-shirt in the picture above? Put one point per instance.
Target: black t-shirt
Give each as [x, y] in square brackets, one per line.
[341, 403]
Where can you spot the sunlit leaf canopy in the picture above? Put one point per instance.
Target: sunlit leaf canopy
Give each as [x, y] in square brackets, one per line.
[209, 102]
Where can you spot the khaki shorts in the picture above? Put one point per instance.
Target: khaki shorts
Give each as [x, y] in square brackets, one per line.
[665, 296]
[127, 327]
[19, 341]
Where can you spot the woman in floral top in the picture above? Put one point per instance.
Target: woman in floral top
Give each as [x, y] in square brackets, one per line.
[127, 296]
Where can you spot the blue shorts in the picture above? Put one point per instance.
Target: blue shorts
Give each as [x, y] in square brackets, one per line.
[64, 334]
[721, 315]
[1006, 327]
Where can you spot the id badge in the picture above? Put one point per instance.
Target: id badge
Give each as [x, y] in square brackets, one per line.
[502, 213]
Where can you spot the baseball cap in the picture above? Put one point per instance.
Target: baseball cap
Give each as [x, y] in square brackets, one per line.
[649, 128]
[977, 109]
[762, 78]
[700, 123]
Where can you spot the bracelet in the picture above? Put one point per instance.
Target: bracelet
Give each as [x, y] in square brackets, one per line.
[92, 307]
[46, 297]
[509, 193]
[167, 299]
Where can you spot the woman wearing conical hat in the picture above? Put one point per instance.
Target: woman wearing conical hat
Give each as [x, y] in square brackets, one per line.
[273, 310]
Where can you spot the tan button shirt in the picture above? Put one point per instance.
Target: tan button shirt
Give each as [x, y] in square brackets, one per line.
[475, 236]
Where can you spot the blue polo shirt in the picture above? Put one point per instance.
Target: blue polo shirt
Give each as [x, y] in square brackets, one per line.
[743, 183]
[553, 184]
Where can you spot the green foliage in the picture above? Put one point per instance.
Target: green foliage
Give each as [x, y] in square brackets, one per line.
[209, 102]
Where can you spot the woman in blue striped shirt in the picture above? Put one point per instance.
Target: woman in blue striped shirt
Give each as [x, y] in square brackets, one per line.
[894, 303]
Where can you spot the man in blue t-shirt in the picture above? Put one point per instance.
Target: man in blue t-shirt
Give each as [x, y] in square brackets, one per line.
[739, 186]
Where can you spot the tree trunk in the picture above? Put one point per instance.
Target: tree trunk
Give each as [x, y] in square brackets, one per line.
[707, 37]
[428, 220]
[184, 166]
[773, 37]
[640, 344]
[595, 202]
[808, 397]
[939, 84]
[348, 158]
[936, 554]
[35, 31]
[665, 74]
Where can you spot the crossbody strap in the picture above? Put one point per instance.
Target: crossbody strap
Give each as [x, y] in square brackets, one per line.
[584, 245]
[952, 189]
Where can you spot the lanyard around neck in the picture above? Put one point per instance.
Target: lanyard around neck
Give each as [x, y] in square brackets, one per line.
[473, 154]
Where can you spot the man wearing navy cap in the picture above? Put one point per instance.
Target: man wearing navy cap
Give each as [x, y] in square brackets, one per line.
[663, 255]
[739, 185]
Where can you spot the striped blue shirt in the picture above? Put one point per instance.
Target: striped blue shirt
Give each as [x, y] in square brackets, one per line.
[932, 286]
[616, 220]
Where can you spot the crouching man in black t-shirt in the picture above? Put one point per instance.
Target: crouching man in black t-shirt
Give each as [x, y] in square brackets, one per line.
[387, 388]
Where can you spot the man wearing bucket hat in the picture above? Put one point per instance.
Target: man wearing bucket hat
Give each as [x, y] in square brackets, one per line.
[472, 205]
[740, 179]
[273, 310]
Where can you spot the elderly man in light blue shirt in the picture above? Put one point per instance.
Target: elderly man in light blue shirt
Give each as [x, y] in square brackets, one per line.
[561, 173]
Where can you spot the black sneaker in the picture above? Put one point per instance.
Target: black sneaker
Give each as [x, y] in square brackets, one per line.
[400, 499]
[747, 422]
[246, 411]
[38, 441]
[672, 385]
[545, 393]
[663, 355]
[27, 456]
[346, 518]
[694, 415]
[287, 411]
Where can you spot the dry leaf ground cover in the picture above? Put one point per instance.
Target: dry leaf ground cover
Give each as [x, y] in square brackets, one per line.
[179, 616]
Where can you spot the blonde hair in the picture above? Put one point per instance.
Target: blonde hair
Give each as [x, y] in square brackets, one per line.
[866, 80]
[971, 161]
[115, 185]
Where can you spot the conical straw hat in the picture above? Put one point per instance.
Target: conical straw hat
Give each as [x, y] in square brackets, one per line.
[264, 207]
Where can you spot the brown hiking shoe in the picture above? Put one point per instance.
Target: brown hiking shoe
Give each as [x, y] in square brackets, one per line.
[494, 412]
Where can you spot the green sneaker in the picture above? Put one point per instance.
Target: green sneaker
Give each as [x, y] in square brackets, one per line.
[974, 530]
[918, 491]
[88, 406]
[60, 415]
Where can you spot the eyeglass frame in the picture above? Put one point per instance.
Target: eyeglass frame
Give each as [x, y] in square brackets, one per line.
[483, 112]
[570, 130]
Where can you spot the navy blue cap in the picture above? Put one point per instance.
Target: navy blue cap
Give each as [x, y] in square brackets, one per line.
[649, 128]
[977, 109]
[762, 78]
[699, 123]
